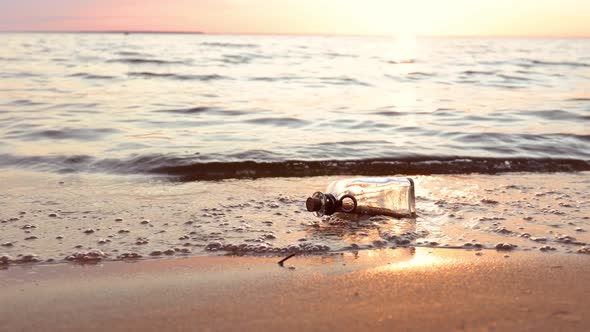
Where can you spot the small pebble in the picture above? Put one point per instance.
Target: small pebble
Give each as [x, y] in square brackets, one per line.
[489, 201]
[538, 239]
[129, 255]
[5, 259]
[213, 246]
[156, 253]
[504, 246]
[87, 256]
[141, 241]
[29, 258]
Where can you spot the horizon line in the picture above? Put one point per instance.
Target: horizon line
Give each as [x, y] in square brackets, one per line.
[197, 32]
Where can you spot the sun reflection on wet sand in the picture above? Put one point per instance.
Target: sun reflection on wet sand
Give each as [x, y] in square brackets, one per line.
[405, 258]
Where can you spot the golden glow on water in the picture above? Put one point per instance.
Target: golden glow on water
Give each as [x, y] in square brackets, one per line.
[404, 49]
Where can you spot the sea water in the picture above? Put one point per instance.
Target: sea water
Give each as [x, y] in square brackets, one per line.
[183, 105]
[166, 113]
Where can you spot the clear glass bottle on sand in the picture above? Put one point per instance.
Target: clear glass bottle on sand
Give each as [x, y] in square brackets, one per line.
[387, 196]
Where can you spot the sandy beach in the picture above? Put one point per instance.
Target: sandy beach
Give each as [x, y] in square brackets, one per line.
[487, 252]
[383, 290]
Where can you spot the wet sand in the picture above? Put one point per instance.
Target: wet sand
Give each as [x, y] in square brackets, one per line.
[382, 290]
[57, 217]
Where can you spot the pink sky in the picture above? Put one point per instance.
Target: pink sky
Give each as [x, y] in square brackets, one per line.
[368, 17]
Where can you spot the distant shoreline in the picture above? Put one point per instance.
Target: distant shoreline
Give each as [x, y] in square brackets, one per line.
[111, 32]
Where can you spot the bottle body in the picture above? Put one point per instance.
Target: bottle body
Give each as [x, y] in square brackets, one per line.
[370, 195]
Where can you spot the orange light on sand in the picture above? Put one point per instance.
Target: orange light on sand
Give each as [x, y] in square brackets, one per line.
[402, 259]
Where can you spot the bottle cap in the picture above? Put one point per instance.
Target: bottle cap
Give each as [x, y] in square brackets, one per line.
[322, 204]
[313, 204]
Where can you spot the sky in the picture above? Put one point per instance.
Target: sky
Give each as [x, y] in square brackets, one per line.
[565, 18]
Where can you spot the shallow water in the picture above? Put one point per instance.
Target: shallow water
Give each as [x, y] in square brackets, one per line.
[205, 106]
[89, 115]
[57, 216]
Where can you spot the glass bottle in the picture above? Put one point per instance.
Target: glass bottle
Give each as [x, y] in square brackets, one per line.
[387, 196]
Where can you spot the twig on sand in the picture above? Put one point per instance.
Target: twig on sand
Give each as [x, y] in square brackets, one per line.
[284, 259]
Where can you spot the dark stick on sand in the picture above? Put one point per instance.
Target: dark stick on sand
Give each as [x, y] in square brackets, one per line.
[284, 259]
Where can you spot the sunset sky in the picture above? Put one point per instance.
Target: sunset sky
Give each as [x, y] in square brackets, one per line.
[356, 17]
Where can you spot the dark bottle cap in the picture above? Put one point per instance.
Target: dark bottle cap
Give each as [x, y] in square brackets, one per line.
[313, 204]
[322, 204]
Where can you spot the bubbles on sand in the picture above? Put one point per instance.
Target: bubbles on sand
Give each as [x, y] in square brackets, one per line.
[541, 212]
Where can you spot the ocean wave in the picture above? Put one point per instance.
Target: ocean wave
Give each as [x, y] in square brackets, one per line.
[242, 58]
[197, 110]
[342, 80]
[478, 72]
[181, 77]
[25, 102]
[80, 134]
[513, 78]
[192, 168]
[229, 45]
[559, 63]
[92, 76]
[137, 61]
[325, 80]
[131, 53]
[401, 62]
[557, 115]
[279, 122]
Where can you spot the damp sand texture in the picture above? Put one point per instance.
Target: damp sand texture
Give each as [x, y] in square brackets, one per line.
[55, 218]
[379, 290]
